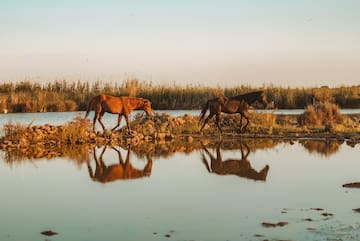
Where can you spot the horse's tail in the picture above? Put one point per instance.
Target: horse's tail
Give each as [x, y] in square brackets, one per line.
[203, 111]
[90, 107]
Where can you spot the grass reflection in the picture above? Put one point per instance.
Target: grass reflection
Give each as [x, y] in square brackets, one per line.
[81, 154]
[324, 148]
[85, 154]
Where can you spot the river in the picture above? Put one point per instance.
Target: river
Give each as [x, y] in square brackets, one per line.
[59, 118]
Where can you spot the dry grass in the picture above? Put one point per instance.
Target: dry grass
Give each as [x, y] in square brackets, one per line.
[29, 96]
[14, 131]
[322, 113]
[163, 123]
[75, 131]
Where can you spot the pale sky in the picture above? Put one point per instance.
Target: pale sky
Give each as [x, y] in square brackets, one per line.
[211, 43]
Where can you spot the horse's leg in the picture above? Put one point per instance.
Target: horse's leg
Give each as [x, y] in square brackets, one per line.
[96, 116]
[118, 123]
[100, 119]
[206, 120]
[94, 120]
[127, 123]
[218, 122]
[90, 170]
[121, 161]
[101, 160]
[241, 117]
[203, 157]
[247, 121]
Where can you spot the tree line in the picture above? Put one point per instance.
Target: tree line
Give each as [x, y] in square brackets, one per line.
[57, 96]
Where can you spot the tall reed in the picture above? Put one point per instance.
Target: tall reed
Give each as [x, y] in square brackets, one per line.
[61, 95]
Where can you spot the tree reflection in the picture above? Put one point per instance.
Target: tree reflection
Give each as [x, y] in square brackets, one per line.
[120, 171]
[240, 166]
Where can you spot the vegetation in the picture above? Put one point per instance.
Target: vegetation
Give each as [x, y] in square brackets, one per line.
[29, 96]
[324, 148]
[322, 113]
[77, 131]
[45, 140]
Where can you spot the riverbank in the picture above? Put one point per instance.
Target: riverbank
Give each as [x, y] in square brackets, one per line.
[167, 128]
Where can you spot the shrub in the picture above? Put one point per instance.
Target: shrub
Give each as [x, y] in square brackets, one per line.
[322, 113]
[70, 105]
[13, 131]
[76, 130]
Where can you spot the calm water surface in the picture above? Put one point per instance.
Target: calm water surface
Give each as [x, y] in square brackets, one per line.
[57, 118]
[217, 192]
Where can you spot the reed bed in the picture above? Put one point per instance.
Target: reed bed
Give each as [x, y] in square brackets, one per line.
[28, 96]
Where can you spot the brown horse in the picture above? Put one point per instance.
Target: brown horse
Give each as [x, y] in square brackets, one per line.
[231, 105]
[239, 167]
[122, 170]
[122, 106]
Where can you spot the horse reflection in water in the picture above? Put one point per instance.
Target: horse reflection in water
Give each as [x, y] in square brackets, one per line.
[121, 171]
[239, 167]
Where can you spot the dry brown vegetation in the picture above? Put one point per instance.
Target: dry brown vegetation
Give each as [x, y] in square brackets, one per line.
[322, 113]
[28, 96]
[75, 131]
[162, 128]
[324, 148]
[163, 135]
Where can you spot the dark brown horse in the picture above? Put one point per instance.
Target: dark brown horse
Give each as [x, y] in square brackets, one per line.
[239, 167]
[122, 170]
[122, 106]
[231, 105]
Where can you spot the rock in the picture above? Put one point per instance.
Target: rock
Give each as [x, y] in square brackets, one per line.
[163, 127]
[351, 143]
[352, 185]
[7, 142]
[329, 127]
[170, 137]
[274, 225]
[189, 139]
[160, 136]
[188, 117]
[180, 121]
[100, 140]
[327, 214]
[140, 136]
[148, 138]
[357, 210]
[23, 141]
[49, 233]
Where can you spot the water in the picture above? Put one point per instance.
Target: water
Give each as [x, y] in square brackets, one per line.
[188, 193]
[59, 118]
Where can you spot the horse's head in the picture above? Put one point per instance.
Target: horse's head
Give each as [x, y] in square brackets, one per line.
[262, 99]
[147, 107]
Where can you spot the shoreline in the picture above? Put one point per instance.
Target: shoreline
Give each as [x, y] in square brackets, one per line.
[166, 128]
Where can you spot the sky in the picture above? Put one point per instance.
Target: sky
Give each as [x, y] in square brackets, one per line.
[197, 42]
